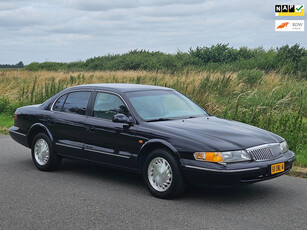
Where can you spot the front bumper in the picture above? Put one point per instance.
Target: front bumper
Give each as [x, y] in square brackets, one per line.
[216, 175]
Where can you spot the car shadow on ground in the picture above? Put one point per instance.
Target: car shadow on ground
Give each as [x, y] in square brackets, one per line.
[100, 172]
[93, 171]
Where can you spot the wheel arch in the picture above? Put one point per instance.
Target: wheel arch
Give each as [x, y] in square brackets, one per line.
[35, 129]
[155, 144]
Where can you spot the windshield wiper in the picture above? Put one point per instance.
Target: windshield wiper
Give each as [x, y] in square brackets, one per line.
[159, 119]
[190, 117]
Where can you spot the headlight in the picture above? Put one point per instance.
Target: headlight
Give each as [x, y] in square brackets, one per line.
[284, 146]
[223, 157]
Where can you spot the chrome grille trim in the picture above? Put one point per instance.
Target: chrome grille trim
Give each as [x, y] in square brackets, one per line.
[265, 152]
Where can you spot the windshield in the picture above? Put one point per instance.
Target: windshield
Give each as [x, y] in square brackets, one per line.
[154, 105]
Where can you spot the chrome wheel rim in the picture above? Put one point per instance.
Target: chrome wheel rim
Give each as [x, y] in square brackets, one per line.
[41, 152]
[160, 174]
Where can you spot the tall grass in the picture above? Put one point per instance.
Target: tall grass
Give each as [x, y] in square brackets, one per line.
[273, 102]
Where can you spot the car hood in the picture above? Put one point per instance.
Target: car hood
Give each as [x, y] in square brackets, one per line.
[215, 134]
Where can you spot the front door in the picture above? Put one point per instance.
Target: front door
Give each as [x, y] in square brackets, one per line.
[108, 142]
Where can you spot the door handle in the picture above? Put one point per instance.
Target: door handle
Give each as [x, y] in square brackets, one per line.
[51, 122]
[91, 129]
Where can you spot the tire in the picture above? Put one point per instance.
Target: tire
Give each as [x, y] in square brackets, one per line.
[169, 183]
[44, 160]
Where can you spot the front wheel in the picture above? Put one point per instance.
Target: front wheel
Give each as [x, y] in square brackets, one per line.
[162, 175]
[43, 155]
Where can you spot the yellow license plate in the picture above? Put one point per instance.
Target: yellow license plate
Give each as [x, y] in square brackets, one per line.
[277, 168]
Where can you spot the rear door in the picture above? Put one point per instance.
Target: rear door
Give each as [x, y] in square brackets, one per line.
[67, 123]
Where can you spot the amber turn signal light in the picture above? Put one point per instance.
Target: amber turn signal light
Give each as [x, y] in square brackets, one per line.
[208, 156]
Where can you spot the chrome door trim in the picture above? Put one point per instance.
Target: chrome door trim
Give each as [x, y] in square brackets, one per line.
[69, 146]
[111, 154]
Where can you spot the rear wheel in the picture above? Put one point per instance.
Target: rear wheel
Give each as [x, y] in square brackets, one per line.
[162, 175]
[43, 155]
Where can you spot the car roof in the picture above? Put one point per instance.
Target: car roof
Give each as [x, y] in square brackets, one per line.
[122, 87]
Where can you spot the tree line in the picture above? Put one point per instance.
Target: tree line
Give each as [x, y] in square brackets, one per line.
[221, 57]
[10, 66]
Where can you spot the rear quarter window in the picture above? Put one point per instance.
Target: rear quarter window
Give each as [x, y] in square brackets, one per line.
[58, 106]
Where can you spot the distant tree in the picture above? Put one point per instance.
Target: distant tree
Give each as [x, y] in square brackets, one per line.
[291, 59]
[293, 54]
[20, 65]
[9, 66]
[220, 57]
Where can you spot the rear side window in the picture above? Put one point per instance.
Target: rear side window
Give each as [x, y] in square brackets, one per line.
[73, 103]
[59, 104]
[107, 105]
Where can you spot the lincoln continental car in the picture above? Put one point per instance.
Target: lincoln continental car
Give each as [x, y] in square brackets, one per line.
[155, 131]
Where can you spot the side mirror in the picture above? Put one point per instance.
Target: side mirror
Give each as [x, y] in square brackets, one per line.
[122, 118]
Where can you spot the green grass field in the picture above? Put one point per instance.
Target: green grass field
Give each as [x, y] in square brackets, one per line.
[268, 100]
[6, 121]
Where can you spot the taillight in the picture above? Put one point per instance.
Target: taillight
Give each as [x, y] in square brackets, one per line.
[15, 116]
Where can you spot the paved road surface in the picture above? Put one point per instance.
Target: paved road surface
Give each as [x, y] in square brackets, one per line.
[86, 196]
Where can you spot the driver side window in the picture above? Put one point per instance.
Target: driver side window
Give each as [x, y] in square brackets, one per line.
[107, 105]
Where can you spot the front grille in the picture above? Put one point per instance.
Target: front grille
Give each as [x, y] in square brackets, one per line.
[264, 152]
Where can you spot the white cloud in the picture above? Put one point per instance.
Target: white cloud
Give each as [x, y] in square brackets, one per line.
[104, 5]
[68, 30]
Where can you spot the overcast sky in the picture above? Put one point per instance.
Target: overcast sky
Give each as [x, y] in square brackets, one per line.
[71, 30]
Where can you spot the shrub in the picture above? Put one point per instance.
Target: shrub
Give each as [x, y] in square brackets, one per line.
[250, 76]
[218, 57]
